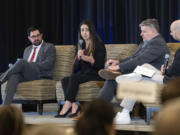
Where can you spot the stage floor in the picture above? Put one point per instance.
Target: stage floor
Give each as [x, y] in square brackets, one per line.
[33, 118]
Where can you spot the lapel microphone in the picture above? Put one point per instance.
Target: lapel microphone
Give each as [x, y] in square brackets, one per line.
[166, 60]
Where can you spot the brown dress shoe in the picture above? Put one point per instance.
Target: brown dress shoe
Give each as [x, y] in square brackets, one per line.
[78, 116]
[108, 74]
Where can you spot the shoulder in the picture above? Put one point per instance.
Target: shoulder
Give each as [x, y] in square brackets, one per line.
[159, 39]
[47, 44]
[28, 47]
[178, 52]
[100, 44]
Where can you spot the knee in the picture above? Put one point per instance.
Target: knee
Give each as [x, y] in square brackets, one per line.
[110, 83]
[14, 78]
[65, 80]
[20, 62]
[74, 78]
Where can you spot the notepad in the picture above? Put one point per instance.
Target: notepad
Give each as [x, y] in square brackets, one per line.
[144, 71]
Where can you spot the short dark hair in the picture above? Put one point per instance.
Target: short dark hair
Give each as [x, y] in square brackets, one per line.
[152, 23]
[33, 28]
[96, 115]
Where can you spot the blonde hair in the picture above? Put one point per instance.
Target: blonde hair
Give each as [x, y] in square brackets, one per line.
[51, 129]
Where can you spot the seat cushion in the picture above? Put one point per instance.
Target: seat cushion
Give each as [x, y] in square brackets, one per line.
[34, 90]
[87, 91]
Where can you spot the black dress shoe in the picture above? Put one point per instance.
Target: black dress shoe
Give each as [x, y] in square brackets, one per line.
[63, 115]
[75, 114]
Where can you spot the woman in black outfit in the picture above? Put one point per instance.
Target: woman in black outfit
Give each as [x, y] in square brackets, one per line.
[90, 58]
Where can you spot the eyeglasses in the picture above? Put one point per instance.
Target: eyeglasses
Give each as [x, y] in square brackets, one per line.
[35, 36]
[84, 29]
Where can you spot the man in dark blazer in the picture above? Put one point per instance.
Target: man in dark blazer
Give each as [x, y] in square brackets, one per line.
[38, 62]
[152, 51]
[174, 69]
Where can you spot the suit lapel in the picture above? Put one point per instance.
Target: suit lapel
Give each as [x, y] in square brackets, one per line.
[138, 49]
[28, 52]
[41, 51]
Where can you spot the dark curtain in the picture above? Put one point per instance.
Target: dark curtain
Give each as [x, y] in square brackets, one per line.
[116, 21]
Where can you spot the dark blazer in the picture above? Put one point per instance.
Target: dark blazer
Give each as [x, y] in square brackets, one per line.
[153, 53]
[100, 58]
[45, 59]
[174, 69]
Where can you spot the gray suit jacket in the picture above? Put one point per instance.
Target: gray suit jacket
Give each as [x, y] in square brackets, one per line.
[45, 59]
[153, 53]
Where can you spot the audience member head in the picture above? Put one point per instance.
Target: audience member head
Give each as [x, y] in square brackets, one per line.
[175, 30]
[149, 29]
[34, 35]
[11, 121]
[171, 90]
[168, 120]
[97, 119]
[50, 129]
[87, 33]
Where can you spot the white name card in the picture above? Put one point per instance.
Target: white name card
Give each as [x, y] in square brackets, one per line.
[144, 71]
[147, 92]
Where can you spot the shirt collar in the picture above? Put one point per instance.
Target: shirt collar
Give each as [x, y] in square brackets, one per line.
[152, 38]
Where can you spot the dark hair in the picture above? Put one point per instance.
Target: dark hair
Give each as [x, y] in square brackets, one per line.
[11, 121]
[167, 121]
[93, 35]
[96, 116]
[152, 23]
[30, 29]
[171, 90]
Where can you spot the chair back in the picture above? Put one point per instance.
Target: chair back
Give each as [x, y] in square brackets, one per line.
[173, 48]
[120, 51]
[64, 61]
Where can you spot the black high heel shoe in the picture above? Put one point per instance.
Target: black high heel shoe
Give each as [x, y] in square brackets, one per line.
[63, 115]
[76, 113]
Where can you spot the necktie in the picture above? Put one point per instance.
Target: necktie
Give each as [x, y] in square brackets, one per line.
[145, 44]
[33, 55]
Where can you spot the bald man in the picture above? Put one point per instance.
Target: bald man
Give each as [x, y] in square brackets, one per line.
[174, 69]
[168, 120]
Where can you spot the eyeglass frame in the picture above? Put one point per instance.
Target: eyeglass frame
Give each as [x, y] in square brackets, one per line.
[35, 36]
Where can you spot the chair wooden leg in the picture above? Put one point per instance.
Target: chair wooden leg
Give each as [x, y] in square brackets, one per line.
[149, 110]
[40, 108]
[148, 115]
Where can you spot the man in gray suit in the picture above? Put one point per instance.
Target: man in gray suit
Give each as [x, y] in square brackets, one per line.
[152, 51]
[38, 62]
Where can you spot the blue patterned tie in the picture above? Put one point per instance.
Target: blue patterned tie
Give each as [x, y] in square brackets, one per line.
[145, 43]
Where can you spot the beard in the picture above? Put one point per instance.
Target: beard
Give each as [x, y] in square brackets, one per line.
[37, 42]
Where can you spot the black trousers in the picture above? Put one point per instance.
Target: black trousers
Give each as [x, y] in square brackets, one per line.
[21, 71]
[70, 84]
[0, 96]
